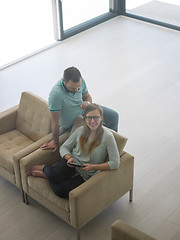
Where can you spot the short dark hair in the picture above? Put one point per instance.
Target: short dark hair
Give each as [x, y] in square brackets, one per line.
[72, 73]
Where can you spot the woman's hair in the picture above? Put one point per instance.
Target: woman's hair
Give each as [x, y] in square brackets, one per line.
[86, 131]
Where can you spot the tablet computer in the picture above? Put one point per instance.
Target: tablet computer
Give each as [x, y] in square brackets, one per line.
[75, 164]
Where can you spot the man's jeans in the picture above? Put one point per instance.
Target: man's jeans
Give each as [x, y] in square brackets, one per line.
[110, 118]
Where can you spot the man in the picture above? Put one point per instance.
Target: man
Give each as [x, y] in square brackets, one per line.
[67, 100]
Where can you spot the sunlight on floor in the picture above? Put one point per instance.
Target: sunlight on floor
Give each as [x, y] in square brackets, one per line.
[130, 4]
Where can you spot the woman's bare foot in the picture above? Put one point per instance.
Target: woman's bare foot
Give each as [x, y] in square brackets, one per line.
[29, 171]
[38, 167]
[32, 170]
[37, 173]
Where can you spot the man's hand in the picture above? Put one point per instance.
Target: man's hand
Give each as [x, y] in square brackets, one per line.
[84, 105]
[50, 145]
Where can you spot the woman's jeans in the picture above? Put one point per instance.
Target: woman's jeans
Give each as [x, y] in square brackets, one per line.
[62, 178]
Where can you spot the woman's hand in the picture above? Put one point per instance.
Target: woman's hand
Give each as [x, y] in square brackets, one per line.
[70, 160]
[88, 167]
[96, 167]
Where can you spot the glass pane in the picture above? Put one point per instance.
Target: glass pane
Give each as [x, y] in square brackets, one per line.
[26, 26]
[167, 11]
[79, 11]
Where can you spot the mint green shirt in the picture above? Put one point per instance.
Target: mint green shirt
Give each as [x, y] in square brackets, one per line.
[108, 147]
[67, 103]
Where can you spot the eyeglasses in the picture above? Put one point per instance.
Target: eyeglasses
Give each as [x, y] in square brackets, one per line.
[89, 118]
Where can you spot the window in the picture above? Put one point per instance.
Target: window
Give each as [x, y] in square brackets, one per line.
[79, 11]
[26, 26]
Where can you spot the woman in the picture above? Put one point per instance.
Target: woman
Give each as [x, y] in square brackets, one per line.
[89, 147]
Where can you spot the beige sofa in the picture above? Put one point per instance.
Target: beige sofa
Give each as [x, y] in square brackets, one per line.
[23, 129]
[122, 231]
[87, 200]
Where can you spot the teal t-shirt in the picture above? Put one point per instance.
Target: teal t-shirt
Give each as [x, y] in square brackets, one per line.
[67, 103]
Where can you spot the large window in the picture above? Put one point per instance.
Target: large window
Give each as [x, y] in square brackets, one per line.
[166, 11]
[79, 15]
[26, 26]
[29, 26]
[79, 11]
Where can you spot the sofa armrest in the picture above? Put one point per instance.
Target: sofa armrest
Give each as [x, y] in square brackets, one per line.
[8, 119]
[100, 191]
[121, 230]
[39, 154]
[24, 152]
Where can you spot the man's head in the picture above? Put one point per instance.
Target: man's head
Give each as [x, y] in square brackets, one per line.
[72, 79]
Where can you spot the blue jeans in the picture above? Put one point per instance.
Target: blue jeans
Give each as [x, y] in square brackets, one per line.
[62, 178]
[110, 118]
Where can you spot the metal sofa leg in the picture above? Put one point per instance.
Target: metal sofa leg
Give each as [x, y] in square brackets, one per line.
[78, 234]
[26, 198]
[131, 195]
[22, 193]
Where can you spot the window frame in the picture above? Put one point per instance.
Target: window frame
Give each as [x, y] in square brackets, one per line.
[149, 20]
[61, 34]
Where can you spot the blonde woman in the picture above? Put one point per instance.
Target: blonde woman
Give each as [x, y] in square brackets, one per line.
[87, 148]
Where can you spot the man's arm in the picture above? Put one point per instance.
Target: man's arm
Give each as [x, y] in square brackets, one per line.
[87, 99]
[55, 126]
[54, 145]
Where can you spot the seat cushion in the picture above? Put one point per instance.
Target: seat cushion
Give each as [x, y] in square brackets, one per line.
[42, 186]
[11, 143]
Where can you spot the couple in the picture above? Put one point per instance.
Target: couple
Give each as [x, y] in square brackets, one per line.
[88, 146]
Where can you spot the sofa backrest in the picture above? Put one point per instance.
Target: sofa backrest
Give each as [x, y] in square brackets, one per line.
[33, 117]
[120, 141]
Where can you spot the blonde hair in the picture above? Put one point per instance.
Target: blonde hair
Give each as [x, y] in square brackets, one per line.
[86, 131]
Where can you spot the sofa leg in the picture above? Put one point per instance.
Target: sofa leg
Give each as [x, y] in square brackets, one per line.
[22, 193]
[78, 234]
[131, 195]
[26, 198]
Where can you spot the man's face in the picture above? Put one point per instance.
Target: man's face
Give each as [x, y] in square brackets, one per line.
[72, 86]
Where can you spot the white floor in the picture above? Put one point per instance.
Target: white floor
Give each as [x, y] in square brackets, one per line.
[132, 67]
[166, 11]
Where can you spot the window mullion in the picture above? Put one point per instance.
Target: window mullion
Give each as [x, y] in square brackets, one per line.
[57, 19]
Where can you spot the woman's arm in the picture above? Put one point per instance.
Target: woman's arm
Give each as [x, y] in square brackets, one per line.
[96, 167]
[113, 153]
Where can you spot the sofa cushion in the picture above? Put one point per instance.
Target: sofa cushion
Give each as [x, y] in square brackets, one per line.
[42, 186]
[78, 122]
[11, 143]
[33, 118]
[120, 140]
